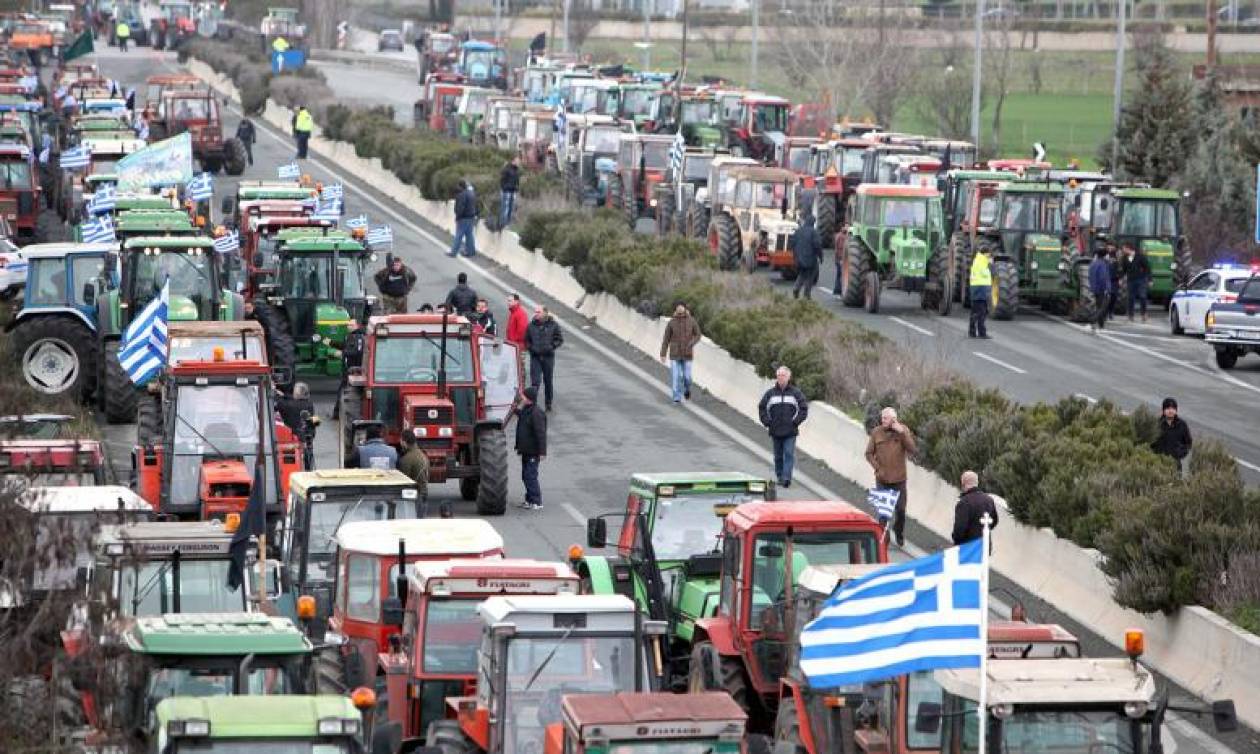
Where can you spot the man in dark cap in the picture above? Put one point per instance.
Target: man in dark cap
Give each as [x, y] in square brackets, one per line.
[531, 444]
[1174, 435]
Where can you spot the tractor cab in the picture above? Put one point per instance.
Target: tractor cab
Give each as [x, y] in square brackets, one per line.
[1149, 220]
[958, 198]
[896, 237]
[760, 130]
[442, 93]
[471, 111]
[483, 64]
[835, 169]
[796, 156]
[438, 650]
[20, 192]
[642, 161]
[156, 86]
[268, 226]
[500, 122]
[677, 208]
[873, 158]
[647, 724]
[953, 154]
[196, 111]
[754, 226]
[635, 104]
[1029, 247]
[908, 170]
[591, 96]
[534, 138]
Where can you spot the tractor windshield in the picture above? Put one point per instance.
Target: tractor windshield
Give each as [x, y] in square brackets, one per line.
[416, 359]
[190, 108]
[636, 102]
[541, 669]
[1148, 219]
[1035, 212]
[219, 681]
[189, 274]
[15, 174]
[769, 117]
[328, 516]
[452, 635]
[697, 111]
[770, 195]
[105, 164]
[903, 213]
[798, 159]
[1061, 731]
[311, 276]
[149, 588]
[602, 140]
[201, 348]
[696, 168]
[656, 155]
[689, 525]
[770, 561]
[215, 422]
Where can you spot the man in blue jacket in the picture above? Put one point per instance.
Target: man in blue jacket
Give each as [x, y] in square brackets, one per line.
[1100, 286]
[465, 221]
[782, 410]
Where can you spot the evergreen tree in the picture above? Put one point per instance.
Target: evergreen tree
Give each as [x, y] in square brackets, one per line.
[1217, 177]
[1157, 130]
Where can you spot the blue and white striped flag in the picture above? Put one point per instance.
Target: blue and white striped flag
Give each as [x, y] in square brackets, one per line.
[381, 235]
[329, 210]
[44, 154]
[676, 152]
[143, 352]
[559, 123]
[884, 501]
[201, 188]
[290, 172]
[228, 242]
[333, 191]
[920, 615]
[104, 200]
[99, 230]
[355, 223]
[76, 158]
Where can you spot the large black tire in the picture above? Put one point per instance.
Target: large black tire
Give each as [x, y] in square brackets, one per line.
[724, 241]
[1085, 307]
[330, 672]
[468, 487]
[857, 263]
[281, 352]
[664, 210]
[1174, 321]
[1185, 265]
[614, 192]
[1226, 358]
[118, 395]
[492, 457]
[630, 206]
[57, 355]
[825, 217]
[1006, 289]
[728, 676]
[941, 272]
[960, 244]
[447, 736]
[870, 293]
[149, 420]
[351, 400]
[697, 221]
[234, 159]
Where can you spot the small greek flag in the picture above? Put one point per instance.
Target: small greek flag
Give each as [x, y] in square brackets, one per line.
[328, 210]
[43, 155]
[559, 122]
[99, 230]
[228, 242]
[884, 501]
[104, 200]
[920, 615]
[676, 152]
[290, 172]
[381, 235]
[76, 158]
[355, 223]
[335, 191]
[201, 188]
[143, 352]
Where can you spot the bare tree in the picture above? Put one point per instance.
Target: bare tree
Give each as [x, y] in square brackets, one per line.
[715, 41]
[582, 21]
[998, 58]
[944, 86]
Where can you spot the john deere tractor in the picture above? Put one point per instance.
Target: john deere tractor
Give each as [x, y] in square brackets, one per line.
[1028, 245]
[896, 237]
[1147, 219]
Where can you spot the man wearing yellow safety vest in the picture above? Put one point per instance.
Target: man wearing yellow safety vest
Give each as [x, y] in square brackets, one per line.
[981, 283]
[303, 124]
[280, 44]
[123, 32]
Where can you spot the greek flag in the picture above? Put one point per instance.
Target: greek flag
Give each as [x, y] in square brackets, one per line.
[290, 172]
[76, 158]
[143, 352]
[676, 152]
[201, 188]
[100, 230]
[381, 235]
[559, 122]
[329, 210]
[884, 501]
[228, 242]
[43, 155]
[355, 223]
[920, 615]
[104, 200]
[334, 191]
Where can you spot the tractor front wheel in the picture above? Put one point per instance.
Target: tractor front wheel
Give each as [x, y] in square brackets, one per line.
[235, 159]
[149, 420]
[330, 672]
[857, 264]
[709, 671]
[1005, 289]
[613, 200]
[58, 355]
[870, 298]
[941, 273]
[492, 457]
[825, 216]
[1085, 307]
[724, 241]
[697, 221]
[118, 393]
[281, 350]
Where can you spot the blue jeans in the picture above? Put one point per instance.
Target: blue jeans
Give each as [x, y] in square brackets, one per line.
[680, 377]
[784, 457]
[466, 235]
[529, 475]
[1137, 295]
[507, 205]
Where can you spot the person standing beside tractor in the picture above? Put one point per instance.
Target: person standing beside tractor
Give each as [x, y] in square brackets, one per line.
[246, 135]
[1100, 286]
[1137, 270]
[484, 318]
[980, 292]
[807, 254]
[395, 281]
[783, 408]
[462, 299]
[123, 32]
[375, 453]
[303, 125]
[542, 338]
[518, 321]
[890, 444]
[531, 444]
[415, 464]
[678, 343]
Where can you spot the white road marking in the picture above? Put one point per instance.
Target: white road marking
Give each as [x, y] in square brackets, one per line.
[999, 362]
[912, 326]
[574, 513]
[1084, 397]
[1247, 464]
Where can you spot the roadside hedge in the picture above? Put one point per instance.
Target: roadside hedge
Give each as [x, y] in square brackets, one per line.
[251, 72]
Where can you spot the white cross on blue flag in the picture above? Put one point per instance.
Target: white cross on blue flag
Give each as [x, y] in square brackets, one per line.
[143, 352]
[104, 200]
[676, 152]
[228, 242]
[381, 235]
[76, 158]
[333, 191]
[328, 210]
[355, 223]
[201, 188]
[100, 230]
[290, 172]
[920, 615]
[884, 501]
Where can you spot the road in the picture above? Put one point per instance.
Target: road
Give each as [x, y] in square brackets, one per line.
[613, 415]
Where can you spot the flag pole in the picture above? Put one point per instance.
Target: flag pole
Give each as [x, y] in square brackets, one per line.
[260, 476]
[982, 708]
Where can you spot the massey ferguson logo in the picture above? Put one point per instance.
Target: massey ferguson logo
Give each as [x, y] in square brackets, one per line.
[647, 730]
[501, 584]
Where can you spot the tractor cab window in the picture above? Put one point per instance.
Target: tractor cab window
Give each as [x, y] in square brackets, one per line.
[988, 210]
[798, 159]
[1031, 212]
[1066, 731]
[103, 164]
[216, 423]
[743, 194]
[697, 168]
[416, 359]
[770, 195]
[188, 273]
[697, 111]
[452, 633]
[602, 140]
[656, 155]
[691, 524]
[312, 276]
[201, 348]
[530, 129]
[15, 174]
[149, 588]
[189, 108]
[636, 102]
[47, 282]
[476, 104]
[327, 517]
[362, 588]
[904, 213]
[922, 687]
[1148, 219]
[769, 118]
[535, 85]
[770, 564]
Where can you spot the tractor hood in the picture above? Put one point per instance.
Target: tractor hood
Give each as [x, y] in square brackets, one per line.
[696, 599]
[224, 487]
[331, 322]
[910, 252]
[181, 309]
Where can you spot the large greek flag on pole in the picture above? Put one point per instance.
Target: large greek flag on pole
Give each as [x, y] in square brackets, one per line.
[920, 615]
[143, 352]
[676, 152]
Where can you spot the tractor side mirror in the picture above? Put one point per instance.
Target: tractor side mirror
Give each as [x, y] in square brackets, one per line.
[596, 532]
[1224, 717]
[392, 612]
[927, 718]
[89, 294]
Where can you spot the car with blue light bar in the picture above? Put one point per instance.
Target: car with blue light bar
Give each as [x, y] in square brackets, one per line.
[1188, 309]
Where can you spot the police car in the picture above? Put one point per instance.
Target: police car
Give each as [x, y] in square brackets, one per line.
[1187, 312]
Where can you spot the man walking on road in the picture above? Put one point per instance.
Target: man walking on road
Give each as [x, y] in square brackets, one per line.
[889, 445]
[807, 253]
[1100, 286]
[395, 281]
[531, 444]
[980, 292]
[247, 136]
[123, 32]
[542, 338]
[517, 322]
[415, 464]
[782, 410]
[465, 221]
[509, 182]
[303, 125]
[461, 300]
[973, 505]
[1174, 435]
[680, 339]
[1137, 270]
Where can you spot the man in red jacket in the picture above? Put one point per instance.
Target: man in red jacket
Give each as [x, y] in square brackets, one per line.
[518, 321]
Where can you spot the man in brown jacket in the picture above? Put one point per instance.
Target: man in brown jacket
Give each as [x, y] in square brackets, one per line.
[886, 452]
[681, 336]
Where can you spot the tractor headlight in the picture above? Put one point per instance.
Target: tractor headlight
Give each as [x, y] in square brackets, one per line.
[1063, 266]
[445, 431]
[336, 726]
[1002, 711]
[316, 338]
[407, 494]
[188, 728]
[422, 431]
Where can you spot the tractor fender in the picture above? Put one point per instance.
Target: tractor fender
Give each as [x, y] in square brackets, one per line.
[597, 570]
[716, 630]
[27, 314]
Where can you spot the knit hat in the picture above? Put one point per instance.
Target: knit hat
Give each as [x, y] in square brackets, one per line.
[1169, 403]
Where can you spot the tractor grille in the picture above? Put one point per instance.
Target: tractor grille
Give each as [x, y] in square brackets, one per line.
[440, 415]
[434, 443]
[8, 207]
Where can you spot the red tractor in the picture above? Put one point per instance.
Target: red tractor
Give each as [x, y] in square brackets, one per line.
[20, 192]
[642, 162]
[835, 170]
[197, 112]
[760, 129]
[451, 388]
[260, 238]
[53, 463]
[439, 99]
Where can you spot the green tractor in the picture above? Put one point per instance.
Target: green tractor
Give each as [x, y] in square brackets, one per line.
[1143, 218]
[896, 236]
[323, 724]
[197, 292]
[319, 291]
[1028, 245]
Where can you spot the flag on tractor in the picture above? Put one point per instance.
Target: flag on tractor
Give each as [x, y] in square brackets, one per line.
[80, 47]
[143, 352]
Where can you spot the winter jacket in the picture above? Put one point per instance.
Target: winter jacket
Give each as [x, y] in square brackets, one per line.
[290, 410]
[245, 131]
[486, 321]
[510, 178]
[352, 351]
[782, 410]
[971, 507]
[375, 454]
[681, 336]
[1136, 268]
[462, 300]
[807, 245]
[1174, 438]
[886, 452]
[415, 464]
[1099, 277]
[517, 324]
[543, 337]
[531, 431]
[395, 283]
[466, 205]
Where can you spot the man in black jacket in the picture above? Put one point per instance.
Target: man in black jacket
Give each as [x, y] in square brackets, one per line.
[462, 300]
[531, 444]
[971, 509]
[395, 281]
[782, 409]
[465, 221]
[247, 136]
[1174, 435]
[297, 411]
[1137, 270]
[509, 182]
[542, 338]
[807, 253]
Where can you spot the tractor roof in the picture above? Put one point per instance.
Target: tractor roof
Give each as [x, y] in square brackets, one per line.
[133, 221]
[155, 539]
[303, 481]
[1018, 639]
[214, 329]
[259, 717]
[283, 222]
[102, 178]
[1072, 681]
[83, 500]
[536, 612]
[215, 634]
[823, 579]
[109, 144]
[635, 716]
[127, 203]
[796, 512]
[169, 242]
[408, 323]
[981, 175]
[275, 191]
[425, 537]
[10, 150]
[698, 480]
[325, 244]
[763, 174]
[493, 576]
[1032, 187]
[897, 191]
[289, 232]
[1149, 194]
[59, 250]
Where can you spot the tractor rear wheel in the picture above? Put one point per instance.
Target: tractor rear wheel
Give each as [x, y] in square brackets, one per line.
[58, 355]
[118, 393]
[630, 206]
[468, 487]
[447, 736]
[281, 352]
[234, 159]
[351, 408]
[1085, 307]
[697, 221]
[1005, 289]
[728, 675]
[724, 241]
[825, 217]
[492, 457]
[613, 200]
[330, 672]
[857, 264]
[149, 420]
[1184, 271]
[960, 245]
